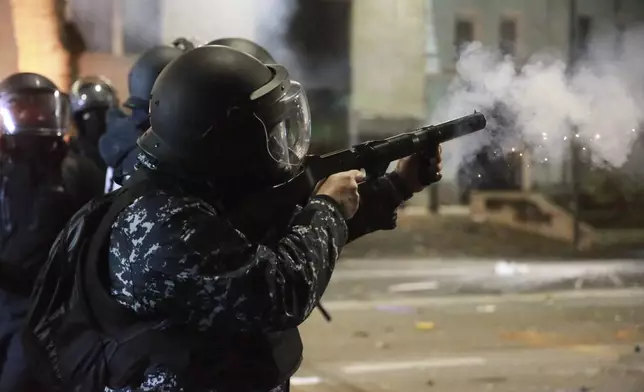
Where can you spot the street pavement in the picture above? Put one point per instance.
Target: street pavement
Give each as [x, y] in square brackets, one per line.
[478, 325]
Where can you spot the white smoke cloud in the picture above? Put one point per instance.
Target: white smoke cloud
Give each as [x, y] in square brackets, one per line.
[603, 97]
[273, 19]
[262, 21]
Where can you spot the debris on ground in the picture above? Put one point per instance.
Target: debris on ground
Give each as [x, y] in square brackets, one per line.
[425, 325]
[382, 345]
[549, 300]
[486, 308]
[413, 286]
[396, 309]
[503, 268]
[357, 290]
[361, 334]
[630, 332]
[490, 380]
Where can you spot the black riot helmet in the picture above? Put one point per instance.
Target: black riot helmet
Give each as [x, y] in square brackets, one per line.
[145, 71]
[183, 44]
[92, 92]
[32, 104]
[34, 116]
[246, 46]
[221, 116]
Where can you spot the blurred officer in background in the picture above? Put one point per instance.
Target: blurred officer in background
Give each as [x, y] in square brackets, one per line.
[93, 99]
[118, 145]
[42, 184]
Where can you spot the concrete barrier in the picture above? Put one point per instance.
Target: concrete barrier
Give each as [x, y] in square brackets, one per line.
[612, 237]
[535, 213]
[530, 212]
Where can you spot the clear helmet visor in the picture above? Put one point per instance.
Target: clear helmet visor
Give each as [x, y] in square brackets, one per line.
[46, 113]
[288, 142]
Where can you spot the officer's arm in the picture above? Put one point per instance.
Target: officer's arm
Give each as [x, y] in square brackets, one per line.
[379, 201]
[243, 286]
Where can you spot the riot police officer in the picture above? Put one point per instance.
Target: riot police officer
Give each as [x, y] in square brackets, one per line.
[92, 98]
[118, 145]
[223, 127]
[42, 184]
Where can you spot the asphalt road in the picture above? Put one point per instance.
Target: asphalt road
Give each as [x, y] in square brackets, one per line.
[466, 326]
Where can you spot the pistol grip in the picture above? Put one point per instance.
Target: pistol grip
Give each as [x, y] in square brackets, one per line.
[376, 171]
[427, 167]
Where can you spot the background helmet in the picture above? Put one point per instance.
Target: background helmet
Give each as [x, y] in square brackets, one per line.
[92, 92]
[145, 71]
[246, 46]
[221, 114]
[183, 44]
[32, 104]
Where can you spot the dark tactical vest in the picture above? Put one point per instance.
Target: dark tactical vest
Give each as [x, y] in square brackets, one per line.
[35, 204]
[80, 339]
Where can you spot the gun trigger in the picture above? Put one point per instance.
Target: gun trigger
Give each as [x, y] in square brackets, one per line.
[375, 172]
[426, 162]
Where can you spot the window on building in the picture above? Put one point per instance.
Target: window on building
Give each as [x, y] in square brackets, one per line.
[584, 26]
[463, 34]
[508, 36]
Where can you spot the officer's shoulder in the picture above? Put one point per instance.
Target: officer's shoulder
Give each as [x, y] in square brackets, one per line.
[162, 208]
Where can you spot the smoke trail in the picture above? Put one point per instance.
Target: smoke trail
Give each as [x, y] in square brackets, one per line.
[262, 21]
[603, 96]
[273, 19]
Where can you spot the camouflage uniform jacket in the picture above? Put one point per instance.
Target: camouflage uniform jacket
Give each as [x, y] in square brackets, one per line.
[172, 255]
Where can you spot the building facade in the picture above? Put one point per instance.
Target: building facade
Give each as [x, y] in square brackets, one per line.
[404, 52]
[388, 67]
[30, 32]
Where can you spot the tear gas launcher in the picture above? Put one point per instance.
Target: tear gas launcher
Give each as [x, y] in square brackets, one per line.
[271, 211]
[372, 156]
[375, 156]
